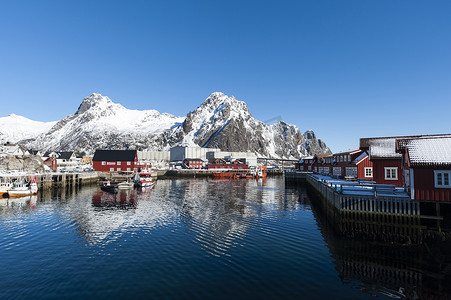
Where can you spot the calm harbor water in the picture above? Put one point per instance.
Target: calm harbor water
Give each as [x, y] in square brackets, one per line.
[197, 239]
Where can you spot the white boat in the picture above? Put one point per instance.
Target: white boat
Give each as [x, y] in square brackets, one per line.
[125, 185]
[21, 189]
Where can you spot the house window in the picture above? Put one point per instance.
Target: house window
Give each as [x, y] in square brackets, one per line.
[309, 168]
[118, 169]
[351, 171]
[391, 173]
[103, 163]
[302, 168]
[442, 179]
[111, 169]
[368, 172]
[337, 171]
[129, 163]
[128, 169]
[118, 163]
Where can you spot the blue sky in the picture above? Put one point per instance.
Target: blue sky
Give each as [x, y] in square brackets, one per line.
[346, 69]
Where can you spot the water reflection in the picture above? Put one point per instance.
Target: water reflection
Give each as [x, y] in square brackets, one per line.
[203, 235]
[376, 268]
[12, 205]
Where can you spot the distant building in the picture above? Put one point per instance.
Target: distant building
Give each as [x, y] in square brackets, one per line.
[193, 163]
[66, 159]
[51, 163]
[13, 149]
[249, 157]
[228, 164]
[179, 153]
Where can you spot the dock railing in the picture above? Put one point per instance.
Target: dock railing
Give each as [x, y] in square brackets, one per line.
[365, 198]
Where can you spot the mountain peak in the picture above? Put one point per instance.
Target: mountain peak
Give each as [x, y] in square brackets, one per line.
[94, 100]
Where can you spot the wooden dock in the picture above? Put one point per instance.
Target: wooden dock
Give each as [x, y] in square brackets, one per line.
[369, 211]
[58, 180]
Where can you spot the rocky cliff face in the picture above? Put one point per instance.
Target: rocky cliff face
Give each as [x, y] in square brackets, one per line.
[226, 123]
[219, 122]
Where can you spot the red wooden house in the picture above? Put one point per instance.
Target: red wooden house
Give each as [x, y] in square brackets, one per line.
[116, 161]
[318, 164]
[305, 164]
[51, 163]
[387, 163]
[350, 164]
[427, 166]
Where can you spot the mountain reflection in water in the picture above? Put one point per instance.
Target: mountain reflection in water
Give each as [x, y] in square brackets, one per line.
[200, 239]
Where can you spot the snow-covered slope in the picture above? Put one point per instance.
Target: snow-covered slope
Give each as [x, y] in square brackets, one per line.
[219, 122]
[101, 123]
[14, 128]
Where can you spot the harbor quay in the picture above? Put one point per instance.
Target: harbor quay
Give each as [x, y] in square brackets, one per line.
[58, 180]
[377, 212]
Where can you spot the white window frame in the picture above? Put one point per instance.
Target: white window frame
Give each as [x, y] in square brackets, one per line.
[391, 169]
[440, 176]
[128, 169]
[337, 171]
[103, 163]
[129, 163]
[368, 170]
[111, 169]
[118, 163]
[309, 168]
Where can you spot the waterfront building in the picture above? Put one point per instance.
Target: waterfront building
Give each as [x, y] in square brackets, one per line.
[387, 163]
[427, 166]
[116, 161]
[305, 164]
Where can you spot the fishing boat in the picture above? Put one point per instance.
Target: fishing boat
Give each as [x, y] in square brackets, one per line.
[144, 179]
[21, 189]
[4, 188]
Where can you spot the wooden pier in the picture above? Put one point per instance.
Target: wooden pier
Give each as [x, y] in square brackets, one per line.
[369, 211]
[59, 180]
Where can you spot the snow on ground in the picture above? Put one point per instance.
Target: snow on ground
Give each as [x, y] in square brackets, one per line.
[359, 188]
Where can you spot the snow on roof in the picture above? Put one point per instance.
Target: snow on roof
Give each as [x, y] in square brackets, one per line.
[434, 151]
[383, 148]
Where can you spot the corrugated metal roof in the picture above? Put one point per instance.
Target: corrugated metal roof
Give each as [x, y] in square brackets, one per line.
[360, 157]
[433, 151]
[383, 148]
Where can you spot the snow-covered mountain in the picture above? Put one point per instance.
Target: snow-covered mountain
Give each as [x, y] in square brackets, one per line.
[226, 123]
[14, 128]
[99, 123]
[220, 122]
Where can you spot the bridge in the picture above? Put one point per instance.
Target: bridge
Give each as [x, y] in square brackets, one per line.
[281, 162]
